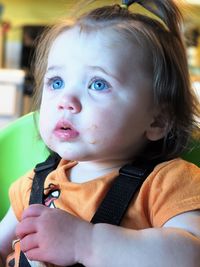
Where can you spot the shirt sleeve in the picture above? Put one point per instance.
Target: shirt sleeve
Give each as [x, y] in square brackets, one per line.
[19, 193]
[174, 189]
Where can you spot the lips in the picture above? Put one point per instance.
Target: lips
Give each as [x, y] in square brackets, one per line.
[65, 131]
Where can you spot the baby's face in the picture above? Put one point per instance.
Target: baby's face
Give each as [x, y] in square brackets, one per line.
[97, 97]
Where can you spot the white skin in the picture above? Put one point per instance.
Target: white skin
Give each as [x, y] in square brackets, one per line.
[120, 112]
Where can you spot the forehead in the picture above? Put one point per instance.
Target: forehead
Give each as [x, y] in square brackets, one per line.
[105, 46]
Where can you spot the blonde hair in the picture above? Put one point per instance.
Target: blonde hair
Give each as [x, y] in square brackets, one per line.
[163, 40]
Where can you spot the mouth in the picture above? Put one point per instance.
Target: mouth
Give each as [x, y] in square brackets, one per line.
[65, 131]
[64, 128]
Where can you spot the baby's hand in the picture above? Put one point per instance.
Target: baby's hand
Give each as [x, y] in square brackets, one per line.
[50, 235]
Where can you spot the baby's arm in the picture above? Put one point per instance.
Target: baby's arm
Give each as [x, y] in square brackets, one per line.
[175, 244]
[55, 236]
[7, 234]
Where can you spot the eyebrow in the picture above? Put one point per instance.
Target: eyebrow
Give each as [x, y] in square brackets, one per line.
[98, 68]
[54, 68]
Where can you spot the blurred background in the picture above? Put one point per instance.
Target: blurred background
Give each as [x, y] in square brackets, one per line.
[22, 21]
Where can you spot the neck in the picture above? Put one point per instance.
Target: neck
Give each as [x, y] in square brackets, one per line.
[88, 170]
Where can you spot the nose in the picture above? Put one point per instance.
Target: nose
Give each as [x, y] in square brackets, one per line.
[70, 103]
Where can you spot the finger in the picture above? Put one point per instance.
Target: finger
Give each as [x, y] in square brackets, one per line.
[29, 242]
[34, 210]
[36, 254]
[25, 227]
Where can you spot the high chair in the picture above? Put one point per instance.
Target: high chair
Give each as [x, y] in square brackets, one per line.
[21, 149]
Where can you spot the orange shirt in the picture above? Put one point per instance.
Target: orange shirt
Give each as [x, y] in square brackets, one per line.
[172, 188]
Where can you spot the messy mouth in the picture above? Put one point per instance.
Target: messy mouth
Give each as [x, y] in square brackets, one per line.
[65, 131]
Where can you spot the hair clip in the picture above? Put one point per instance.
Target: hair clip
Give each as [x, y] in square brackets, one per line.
[127, 3]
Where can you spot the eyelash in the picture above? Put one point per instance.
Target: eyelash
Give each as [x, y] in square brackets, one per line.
[50, 83]
[99, 80]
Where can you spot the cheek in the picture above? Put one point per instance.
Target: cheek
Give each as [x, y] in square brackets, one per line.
[113, 127]
[92, 131]
[45, 132]
[94, 126]
[44, 124]
[101, 127]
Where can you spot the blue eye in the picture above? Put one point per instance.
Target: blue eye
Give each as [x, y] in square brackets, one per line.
[99, 85]
[57, 84]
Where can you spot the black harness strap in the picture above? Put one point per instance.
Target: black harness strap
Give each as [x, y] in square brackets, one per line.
[36, 197]
[41, 172]
[116, 201]
[118, 198]
[23, 262]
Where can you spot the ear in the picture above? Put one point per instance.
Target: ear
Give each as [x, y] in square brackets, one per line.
[157, 129]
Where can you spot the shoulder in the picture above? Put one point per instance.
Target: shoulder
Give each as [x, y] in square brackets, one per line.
[23, 182]
[175, 175]
[175, 169]
[172, 188]
[19, 193]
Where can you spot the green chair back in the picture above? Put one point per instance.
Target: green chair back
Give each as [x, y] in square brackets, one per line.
[193, 155]
[20, 150]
